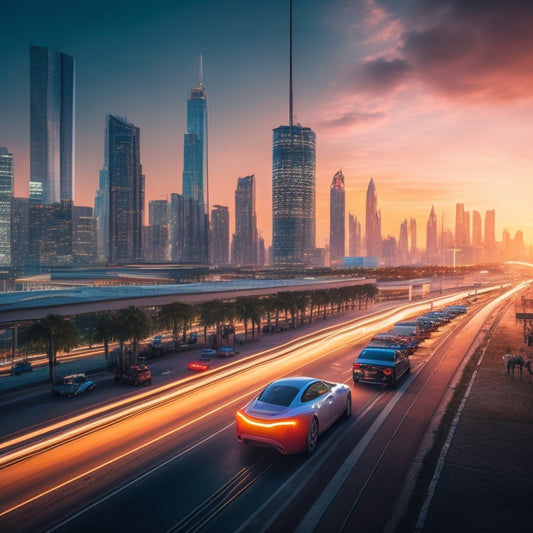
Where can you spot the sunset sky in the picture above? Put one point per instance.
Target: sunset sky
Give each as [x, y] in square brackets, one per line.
[431, 98]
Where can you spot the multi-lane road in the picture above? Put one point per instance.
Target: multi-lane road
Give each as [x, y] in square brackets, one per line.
[165, 458]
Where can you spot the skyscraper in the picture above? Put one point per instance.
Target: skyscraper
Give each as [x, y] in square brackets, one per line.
[373, 222]
[195, 176]
[460, 239]
[244, 245]
[220, 240]
[6, 201]
[354, 236]
[101, 212]
[126, 190]
[477, 231]
[402, 249]
[293, 188]
[337, 201]
[413, 247]
[51, 126]
[432, 249]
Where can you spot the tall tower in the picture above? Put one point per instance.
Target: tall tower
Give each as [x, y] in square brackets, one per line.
[244, 246]
[460, 225]
[432, 250]
[373, 222]
[51, 126]
[293, 188]
[195, 180]
[220, 223]
[6, 201]
[126, 190]
[354, 236]
[337, 201]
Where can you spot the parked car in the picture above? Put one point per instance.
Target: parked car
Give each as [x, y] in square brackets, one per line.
[290, 414]
[156, 341]
[73, 385]
[456, 309]
[381, 365]
[134, 375]
[21, 368]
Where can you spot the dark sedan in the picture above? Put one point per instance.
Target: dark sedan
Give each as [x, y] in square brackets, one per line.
[381, 365]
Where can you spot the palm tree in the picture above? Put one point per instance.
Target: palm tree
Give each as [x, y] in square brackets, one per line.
[103, 330]
[130, 324]
[177, 316]
[53, 333]
[244, 308]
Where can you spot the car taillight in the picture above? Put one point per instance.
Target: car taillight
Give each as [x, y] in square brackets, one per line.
[356, 366]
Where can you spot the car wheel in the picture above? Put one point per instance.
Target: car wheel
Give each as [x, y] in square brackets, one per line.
[348, 407]
[393, 379]
[312, 435]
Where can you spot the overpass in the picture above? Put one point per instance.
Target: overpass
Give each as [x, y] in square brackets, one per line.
[16, 307]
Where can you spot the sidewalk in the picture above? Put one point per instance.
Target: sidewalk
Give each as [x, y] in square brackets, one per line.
[486, 482]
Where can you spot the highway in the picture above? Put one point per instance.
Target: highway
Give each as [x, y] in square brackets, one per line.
[166, 458]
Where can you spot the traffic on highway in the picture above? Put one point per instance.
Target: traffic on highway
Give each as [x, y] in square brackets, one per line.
[172, 449]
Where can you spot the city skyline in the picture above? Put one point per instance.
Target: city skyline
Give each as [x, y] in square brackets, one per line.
[434, 112]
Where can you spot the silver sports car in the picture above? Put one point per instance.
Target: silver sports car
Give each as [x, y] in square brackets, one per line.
[290, 414]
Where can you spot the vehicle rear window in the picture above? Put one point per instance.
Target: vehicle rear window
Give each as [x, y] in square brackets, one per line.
[278, 395]
[377, 355]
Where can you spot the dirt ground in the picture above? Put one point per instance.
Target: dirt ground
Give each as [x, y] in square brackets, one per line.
[486, 484]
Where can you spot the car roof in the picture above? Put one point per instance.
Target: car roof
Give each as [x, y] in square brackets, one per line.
[296, 381]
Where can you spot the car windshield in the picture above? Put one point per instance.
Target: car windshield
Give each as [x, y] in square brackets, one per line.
[377, 355]
[278, 394]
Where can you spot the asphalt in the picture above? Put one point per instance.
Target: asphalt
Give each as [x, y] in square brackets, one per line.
[483, 481]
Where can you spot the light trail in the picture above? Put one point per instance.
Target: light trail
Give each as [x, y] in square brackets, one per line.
[330, 336]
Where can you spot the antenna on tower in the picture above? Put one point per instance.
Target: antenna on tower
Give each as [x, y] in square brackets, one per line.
[290, 64]
[201, 71]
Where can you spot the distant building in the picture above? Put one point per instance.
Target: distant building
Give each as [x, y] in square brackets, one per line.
[432, 247]
[244, 242]
[413, 247]
[337, 202]
[195, 246]
[84, 236]
[403, 244]
[52, 108]
[126, 191]
[51, 235]
[460, 236]
[373, 223]
[176, 226]
[389, 251]
[101, 213]
[220, 235]
[354, 236]
[6, 201]
[20, 232]
[156, 243]
[293, 195]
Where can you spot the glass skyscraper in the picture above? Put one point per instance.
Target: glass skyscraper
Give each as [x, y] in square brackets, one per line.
[293, 188]
[6, 200]
[244, 245]
[52, 79]
[373, 222]
[337, 201]
[126, 190]
[293, 195]
[195, 248]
